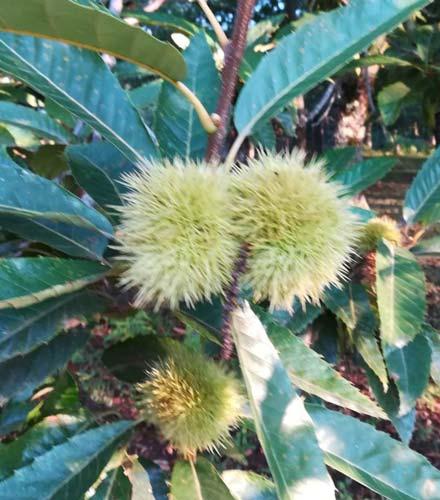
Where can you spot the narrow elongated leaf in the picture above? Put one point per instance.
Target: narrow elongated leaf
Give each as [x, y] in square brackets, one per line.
[362, 175]
[246, 485]
[38, 122]
[23, 330]
[301, 318]
[339, 159]
[373, 458]
[29, 371]
[351, 305]
[68, 469]
[422, 200]
[93, 29]
[79, 81]
[201, 482]
[305, 57]
[390, 100]
[283, 426]
[409, 368]
[175, 23]
[14, 413]
[45, 212]
[26, 281]
[98, 168]
[177, 126]
[50, 432]
[146, 96]
[153, 479]
[429, 247]
[433, 338]
[309, 372]
[400, 284]
[115, 486]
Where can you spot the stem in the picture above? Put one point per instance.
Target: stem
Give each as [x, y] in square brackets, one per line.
[201, 111]
[222, 38]
[233, 56]
[229, 160]
[196, 479]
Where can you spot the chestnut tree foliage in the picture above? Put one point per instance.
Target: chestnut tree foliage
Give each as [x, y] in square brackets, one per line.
[164, 258]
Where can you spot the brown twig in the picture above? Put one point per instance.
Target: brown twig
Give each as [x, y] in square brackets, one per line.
[233, 56]
[232, 302]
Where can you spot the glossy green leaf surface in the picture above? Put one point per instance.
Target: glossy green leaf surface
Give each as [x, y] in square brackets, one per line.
[73, 78]
[29, 371]
[246, 485]
[28, 280]
[98, 168]
[429, 247]
[93, 29]
[373, 458]
[312, 374]
[401, 300]
[67, 469]
[283, 426]
[23, 330]
[433, 338]
[390, 100]
[115, 486]
[46, 212]
[177, 125]
[422, 200]
[175, 23]
[38, 122]
[201, 482]
[305, 57]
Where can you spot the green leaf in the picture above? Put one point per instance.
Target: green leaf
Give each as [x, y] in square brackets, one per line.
[98, 168]
[401, 299]
[362, 175]
[246, 485]
[23, 330]
[115, 486]
[284, 428]
[48, 161]
[29, 371]
[373, 60]
[291, 69]
[38, 122]
[352, 306]
[79, 81]
[163, 20]
[93, 29]
[14, 414]
[434, 343]
[373, 458]
[422, 200]
[177, 126]
[49, 432]
[27, 280]
[198, 482]
[157, 486]
[301, 318]
[310, 373]
[67, 469]
[146, 96]
[339, 159]
[390, 100]
[409, 368]
[46, 212]
[429, 247]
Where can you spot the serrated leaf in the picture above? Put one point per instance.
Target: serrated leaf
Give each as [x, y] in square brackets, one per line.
[68, 469]
[50, 432]
[27, 280]
[246, 485]
[115, 486]
[283, 426]
[358, 177]
[23, 330]
[98, 168]
[291, 70]
[409, 368]
[38, 122]
[93, 29]
[198, 482]
[433, 338]
[401, 299]
[73, 78]
[422, 200]
[46, 212]
[351, 305]
[390, 100]
[373, 458]
[310, 373]
[176, 124]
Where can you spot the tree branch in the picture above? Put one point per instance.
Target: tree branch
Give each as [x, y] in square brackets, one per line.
[233, 56]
